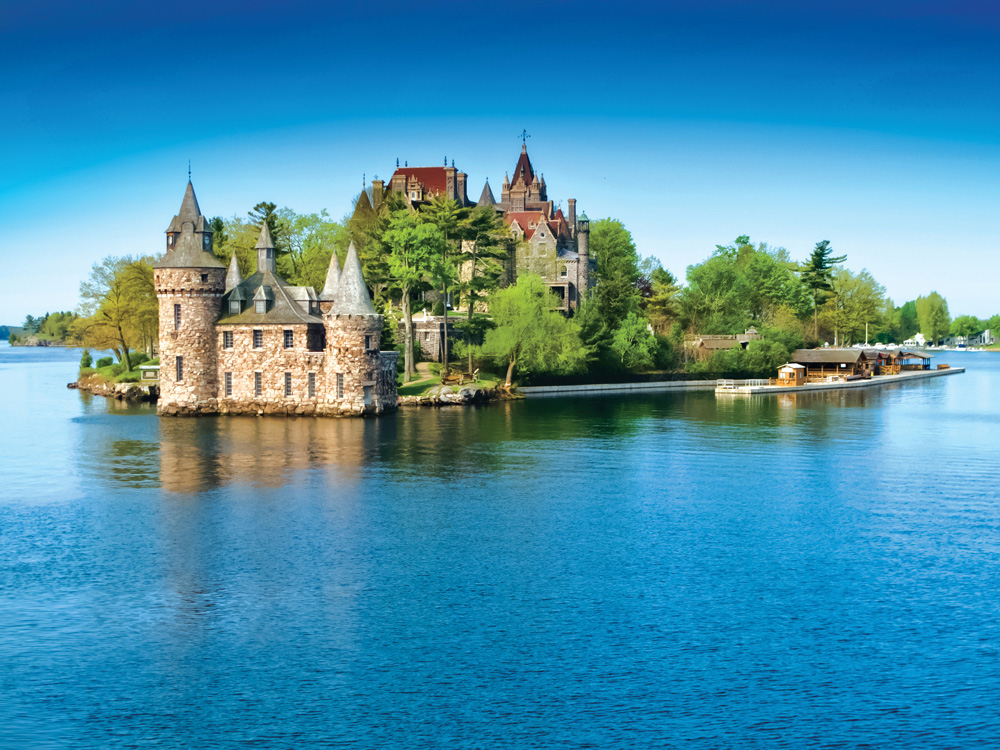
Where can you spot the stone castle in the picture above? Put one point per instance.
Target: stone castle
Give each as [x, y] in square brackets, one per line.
[258, 345]
[554, 245]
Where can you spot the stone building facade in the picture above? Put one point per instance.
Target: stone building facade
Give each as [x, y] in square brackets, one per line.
[259, 345]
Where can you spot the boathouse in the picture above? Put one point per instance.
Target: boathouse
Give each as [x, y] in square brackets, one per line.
[828, 363]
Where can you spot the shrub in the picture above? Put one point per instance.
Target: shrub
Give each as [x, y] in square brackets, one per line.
[154, 361]
[104, 362]
[128, 377]
[85, 359]
[435, 368]
[139, 358]
[438, 308]
[12, 339]
[117, 369]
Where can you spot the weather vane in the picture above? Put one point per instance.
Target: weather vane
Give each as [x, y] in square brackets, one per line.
[524, 136]
[189, 170]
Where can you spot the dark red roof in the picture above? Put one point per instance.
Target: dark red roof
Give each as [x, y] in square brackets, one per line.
[433, 179]
[524, 220]
[524, 163]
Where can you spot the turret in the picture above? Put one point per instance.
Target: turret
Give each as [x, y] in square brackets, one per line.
[329, 293]
[354, 329]
[571, 217]
[265, 251]
[583, 250]
[189, 282]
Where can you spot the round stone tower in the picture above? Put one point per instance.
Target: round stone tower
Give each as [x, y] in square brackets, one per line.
[355, 381]
[190, 282]
[583, 251]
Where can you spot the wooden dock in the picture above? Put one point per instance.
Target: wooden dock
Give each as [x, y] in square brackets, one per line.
[763, 388]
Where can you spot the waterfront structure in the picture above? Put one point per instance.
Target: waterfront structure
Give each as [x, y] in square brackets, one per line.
[259, 345]
[548, 242]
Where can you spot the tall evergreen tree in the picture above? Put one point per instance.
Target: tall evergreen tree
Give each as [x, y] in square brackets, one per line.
[817, 276]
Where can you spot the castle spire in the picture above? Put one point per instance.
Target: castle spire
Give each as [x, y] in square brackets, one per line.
[352, 292]
[265, 251]
[487, 199]
[233, 277]
[329, 293]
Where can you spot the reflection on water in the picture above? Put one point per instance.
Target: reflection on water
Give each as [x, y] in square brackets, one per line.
[667, 570]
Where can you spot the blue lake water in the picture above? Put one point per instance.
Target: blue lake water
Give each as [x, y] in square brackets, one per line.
[663, 571]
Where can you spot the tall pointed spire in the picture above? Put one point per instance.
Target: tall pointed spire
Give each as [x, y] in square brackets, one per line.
[487, 199]
[329, 293]
[352, 292]
[233, 277]
[265, 251]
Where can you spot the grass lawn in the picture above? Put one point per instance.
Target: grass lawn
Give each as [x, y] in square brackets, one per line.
[419, 387]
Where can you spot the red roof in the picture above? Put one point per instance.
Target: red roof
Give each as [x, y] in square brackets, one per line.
[525, 219]
[524, 163]
[433, 179]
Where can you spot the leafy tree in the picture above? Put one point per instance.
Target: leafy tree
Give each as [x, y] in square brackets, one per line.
[662, 305]
[118, 306]
[634, 343]
[31, 324]
[487, 242]
[85, 359]
[240, 239]
[266, 212]
[451, 220]
[311, 239]
[932, 312]
[817, 277]
[855, 306]
[414, 246]
[966, 325]
[530, 336]
[994, 325]
[908, 322]
[615, 293]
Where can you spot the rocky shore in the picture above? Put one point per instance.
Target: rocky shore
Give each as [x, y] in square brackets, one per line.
[133, 392]
[446, 395]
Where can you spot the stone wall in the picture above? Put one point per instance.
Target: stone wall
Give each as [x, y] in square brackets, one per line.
[360, 367]
[199, 293]
[272, 360]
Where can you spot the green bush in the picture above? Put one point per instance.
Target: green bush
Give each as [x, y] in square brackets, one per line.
[12, 339]
[435, 368]
[104, 362]
[139, 358]
[438, 308]
[154, 361]
[117, 369]
[128, 377]
[85, 359]
[86, 371]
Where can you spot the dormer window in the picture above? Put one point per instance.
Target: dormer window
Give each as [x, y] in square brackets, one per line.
[260, 306]
[234, 307]
[170, 240]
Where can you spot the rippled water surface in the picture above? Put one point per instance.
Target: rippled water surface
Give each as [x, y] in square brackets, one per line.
[658, 571]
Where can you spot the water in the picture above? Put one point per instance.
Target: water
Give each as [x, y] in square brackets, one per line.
[660, 571]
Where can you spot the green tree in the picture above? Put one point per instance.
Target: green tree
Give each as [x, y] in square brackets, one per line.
[615, 292]
[85, 359]
[817, 277]
[311, 239]
[908, 323]
[855, 308]
[932, 312]
[414, 246]
[634, 343]
[662, 306]
[530, 336]
[966, 325]
[266, 212]
[117, 301]
[452, 221]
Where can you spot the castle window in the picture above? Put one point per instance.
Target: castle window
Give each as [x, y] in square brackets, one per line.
[260, 306]
[234, 307]
[368, 343]
[258, 338]
[312, 385]
[177, 317]
[340, 385]
[170, 240]
[258, 384]
[229, 384]
[227, 339]
[368, 394]
[563, 271]
[288, 384]
[289, 339]
[180, 368]
[204, 278]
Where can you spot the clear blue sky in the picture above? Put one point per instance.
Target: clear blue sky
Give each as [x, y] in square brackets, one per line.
[873, 125]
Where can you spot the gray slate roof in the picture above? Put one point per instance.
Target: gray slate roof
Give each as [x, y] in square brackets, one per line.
[189, 211]
[233, 276]
[329, 292]
[188, 251]
[352, 292]
[282, 310]
[264, 242]
[487, 199]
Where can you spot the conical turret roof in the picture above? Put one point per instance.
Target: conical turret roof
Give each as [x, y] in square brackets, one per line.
[329, 293]
[188, 251]
[233, 276]
[189, 211]
[523, 170]
[352, 292]
[264, 242]
[487, 199]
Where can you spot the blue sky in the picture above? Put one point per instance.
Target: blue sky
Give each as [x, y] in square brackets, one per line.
[873, 125]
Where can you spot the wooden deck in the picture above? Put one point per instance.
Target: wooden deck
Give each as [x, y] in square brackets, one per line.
[760, 388]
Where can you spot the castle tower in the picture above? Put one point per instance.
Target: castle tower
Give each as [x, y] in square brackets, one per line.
[354, 369]
[583, 250]
[190, 282]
